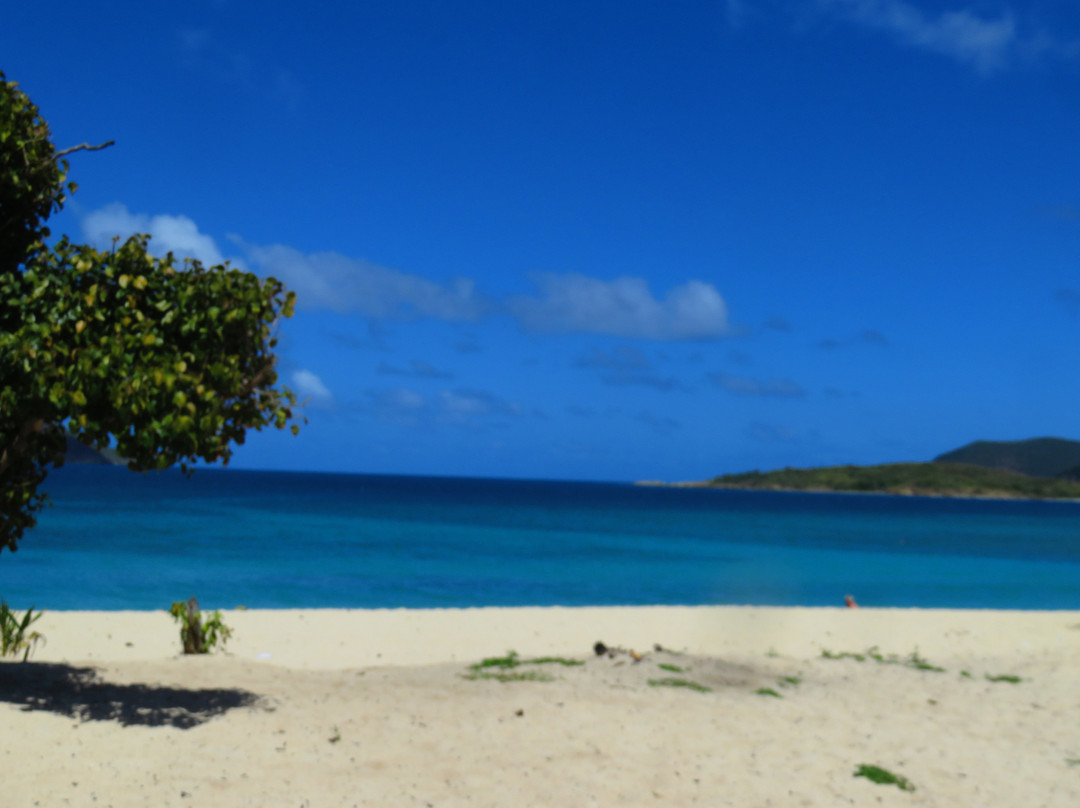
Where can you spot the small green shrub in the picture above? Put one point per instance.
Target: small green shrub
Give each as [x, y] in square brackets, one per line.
[198, 635]
[14, 632]
[673, 682]
[1015, 680]
[827, 654]
[913, 660]
[509, 661]
[768, 691]
[512, 660]
[918, 663]
[883, 777]
[672, 668]
[790, 681]
[553, 660]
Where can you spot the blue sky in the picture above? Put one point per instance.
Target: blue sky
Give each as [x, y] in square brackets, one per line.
[605, 240]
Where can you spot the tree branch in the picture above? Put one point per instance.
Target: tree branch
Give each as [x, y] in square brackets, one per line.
[256, 380]
[19, 445]
[83, 147]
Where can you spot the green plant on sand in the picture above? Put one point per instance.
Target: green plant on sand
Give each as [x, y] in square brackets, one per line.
[504, 664]
[671, 681]
[671, 668]
[14, 634]
[912, 660]
[883, 777]
[199, 636]
[512, 660]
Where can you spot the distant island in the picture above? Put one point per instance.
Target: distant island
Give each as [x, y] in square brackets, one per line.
[1041, 468]
[79, 454]
[1039, 457]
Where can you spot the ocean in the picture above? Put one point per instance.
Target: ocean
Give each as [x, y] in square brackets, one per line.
[118, 540]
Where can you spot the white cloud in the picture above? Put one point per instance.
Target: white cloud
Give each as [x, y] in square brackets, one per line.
[624, 307]
[987, 43]
[176, 234]
[308, 385]
[339, 283]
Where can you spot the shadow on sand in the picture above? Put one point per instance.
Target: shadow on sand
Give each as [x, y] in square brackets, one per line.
[79, 693]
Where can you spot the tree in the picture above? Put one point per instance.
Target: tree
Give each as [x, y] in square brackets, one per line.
[167, 362]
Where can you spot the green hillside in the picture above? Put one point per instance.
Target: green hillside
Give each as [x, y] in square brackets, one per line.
[1038, 457]
[927, 479]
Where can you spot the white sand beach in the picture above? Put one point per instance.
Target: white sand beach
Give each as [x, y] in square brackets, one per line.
[381, 708]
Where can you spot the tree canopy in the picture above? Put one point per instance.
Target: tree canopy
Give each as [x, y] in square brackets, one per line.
[166, 361]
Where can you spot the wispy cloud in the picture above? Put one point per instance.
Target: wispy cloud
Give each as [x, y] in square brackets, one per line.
[869, 337]
[403, 406]
[202, 52]
[464, 405]
[418, 369]
[757, 388]
[736, 12]
[985, 42]
[778, 324]
[376, 337]
[626, 366]
[399, 406]
[334, 281]
[771, 433]
[837, 393]
[579, 411]
[621, 358]
[659, 423]
[624, 307]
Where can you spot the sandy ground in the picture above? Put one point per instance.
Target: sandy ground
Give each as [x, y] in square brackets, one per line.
[385, 708]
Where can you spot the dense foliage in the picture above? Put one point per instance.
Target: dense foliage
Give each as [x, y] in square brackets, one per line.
[932, 479]
[1038, 457]
[165, 361]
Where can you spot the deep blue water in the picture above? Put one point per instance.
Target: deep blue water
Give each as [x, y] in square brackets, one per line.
[117, 540]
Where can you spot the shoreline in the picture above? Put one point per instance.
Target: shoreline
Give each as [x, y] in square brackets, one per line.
[906, 494]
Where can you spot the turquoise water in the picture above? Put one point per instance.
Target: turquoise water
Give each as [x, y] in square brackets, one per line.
[116, 540]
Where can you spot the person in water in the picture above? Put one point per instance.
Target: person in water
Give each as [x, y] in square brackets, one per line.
[849, 601]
